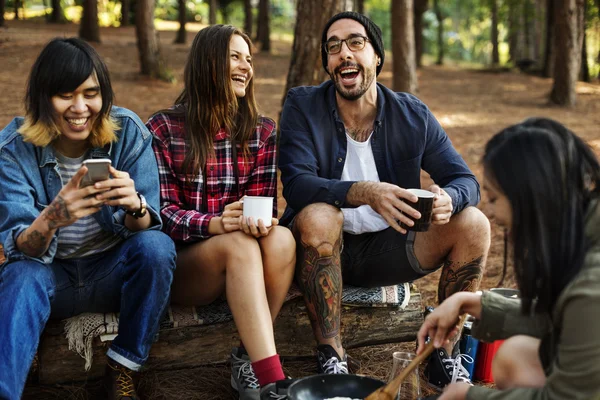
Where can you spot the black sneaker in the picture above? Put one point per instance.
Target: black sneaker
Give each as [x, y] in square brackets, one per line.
[442, 369]
[276, 390]
[329, 361]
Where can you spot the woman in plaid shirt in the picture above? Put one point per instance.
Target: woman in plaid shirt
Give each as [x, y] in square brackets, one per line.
[212, 149]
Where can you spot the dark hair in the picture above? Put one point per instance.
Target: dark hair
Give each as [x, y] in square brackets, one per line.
[63, 65]
[549, 176]
[208, 100]
[373, 32]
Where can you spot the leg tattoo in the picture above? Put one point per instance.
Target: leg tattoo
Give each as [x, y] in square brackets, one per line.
[459, 277]
[321, 280]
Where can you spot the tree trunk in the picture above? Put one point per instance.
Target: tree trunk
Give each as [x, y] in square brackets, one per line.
[359, 6]
[538, 30]
[248, 17]
[403, 47]
[584, 74]
[263, 30]
[529, 24]
[89, 29]
[550, 49]
[16, 4]
[440, 32]
[192, 346]
[181, 33]
[2, 5]
[147, 41]
[420, 6]
[305, 64]
[494, 33]
[225, 14]
[125, 18]
[569, 39]
[57, 16]
[513, 32]
[212, 12]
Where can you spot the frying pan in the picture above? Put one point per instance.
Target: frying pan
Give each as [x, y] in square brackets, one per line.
[320, 387]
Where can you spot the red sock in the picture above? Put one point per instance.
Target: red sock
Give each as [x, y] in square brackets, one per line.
[268, 370]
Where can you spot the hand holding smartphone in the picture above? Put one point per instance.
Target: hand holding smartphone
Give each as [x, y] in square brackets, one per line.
[97, 171]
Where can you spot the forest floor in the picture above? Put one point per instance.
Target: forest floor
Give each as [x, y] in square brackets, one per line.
[471, 105]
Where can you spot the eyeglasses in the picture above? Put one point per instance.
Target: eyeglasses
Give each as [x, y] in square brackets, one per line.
[354, 43]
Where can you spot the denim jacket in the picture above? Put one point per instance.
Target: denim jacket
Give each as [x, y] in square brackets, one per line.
[406, 138]
[30, 180]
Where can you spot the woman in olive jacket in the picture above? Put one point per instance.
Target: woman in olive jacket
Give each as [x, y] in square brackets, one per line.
[543, 185]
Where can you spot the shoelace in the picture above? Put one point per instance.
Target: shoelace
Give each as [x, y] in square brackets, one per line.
[273, 395]
[124, 382]
[335, 366]
[246, 373]
[459, 373]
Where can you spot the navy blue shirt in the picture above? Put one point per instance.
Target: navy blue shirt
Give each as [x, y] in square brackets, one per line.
[406, 138]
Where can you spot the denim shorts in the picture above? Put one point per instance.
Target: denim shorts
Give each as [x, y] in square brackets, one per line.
[380, 258]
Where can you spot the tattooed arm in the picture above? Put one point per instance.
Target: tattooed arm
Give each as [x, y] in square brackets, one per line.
[34, 241]
[71, 204]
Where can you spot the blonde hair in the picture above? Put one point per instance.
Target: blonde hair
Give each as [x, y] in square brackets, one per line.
[42, 134]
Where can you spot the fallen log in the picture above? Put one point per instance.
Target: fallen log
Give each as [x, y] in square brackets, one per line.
[191, 346]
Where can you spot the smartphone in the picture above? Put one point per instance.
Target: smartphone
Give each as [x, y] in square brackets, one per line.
[97, 171]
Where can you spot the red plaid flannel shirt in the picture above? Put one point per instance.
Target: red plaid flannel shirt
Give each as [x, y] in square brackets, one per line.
[181, 202]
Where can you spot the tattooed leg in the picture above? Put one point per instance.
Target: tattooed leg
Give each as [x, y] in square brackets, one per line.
[320, 277]
[459, 277]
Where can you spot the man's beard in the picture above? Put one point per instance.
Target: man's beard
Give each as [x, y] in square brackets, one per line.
[355, 93]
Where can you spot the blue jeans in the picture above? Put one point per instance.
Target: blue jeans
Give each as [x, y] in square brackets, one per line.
[134, 278]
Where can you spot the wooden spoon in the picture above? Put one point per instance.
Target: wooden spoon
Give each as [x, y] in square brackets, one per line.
[390, 391]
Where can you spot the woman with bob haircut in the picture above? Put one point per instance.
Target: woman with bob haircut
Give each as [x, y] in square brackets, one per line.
[543, 184]
[213, 148]
[70, 247]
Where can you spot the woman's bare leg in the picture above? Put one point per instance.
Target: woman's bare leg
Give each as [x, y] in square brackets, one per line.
[279, 259]
[232, 263]
[517, 364]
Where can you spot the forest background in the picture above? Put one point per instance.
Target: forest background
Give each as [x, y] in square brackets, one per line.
[479, 65]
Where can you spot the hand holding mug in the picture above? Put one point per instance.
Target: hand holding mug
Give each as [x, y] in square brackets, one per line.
[231, 217]
[442, 206]
[257, 217]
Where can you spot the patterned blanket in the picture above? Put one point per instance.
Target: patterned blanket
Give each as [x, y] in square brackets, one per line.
[82, 329]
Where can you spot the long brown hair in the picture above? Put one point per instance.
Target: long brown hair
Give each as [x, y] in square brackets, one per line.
[208, 99]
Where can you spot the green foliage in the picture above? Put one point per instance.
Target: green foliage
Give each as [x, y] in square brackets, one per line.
[380, 12]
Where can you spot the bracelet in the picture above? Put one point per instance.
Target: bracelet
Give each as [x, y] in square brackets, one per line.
[142, 210]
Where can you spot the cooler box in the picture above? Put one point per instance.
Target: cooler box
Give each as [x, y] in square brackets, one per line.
[483, 364]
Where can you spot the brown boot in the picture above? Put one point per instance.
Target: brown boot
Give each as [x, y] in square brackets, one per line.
[120, 382]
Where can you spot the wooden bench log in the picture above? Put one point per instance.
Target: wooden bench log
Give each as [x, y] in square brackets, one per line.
[200, 345]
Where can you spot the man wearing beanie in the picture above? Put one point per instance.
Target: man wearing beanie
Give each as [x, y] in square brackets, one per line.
[349, 150]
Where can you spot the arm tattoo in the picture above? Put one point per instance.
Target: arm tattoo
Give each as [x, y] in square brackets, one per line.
[34, 243]
[459, 277]
[321, 280]
[57, 211]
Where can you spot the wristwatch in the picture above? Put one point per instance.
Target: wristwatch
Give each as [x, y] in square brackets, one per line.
[142, 211]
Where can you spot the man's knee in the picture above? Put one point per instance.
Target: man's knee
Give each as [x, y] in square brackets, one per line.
[317, 224]
[472, 225]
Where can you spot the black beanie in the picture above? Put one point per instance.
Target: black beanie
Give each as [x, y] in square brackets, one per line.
[373, 33]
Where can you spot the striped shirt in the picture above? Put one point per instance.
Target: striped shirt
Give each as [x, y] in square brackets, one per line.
[182, 203]
[85, 236]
